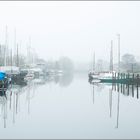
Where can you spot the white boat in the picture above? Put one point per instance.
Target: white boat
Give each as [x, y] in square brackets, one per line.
[94, 75]
[37, 72]
[39, 81]
[102, 76]
[105, 75]
[96, 81]
[34, 73]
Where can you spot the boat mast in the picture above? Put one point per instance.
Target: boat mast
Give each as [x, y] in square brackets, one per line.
[17, 57]
[11, 61]
[94, 62]
[6, 47]
[111, 57]
[15, 46]
[29, 51]
[118, 52]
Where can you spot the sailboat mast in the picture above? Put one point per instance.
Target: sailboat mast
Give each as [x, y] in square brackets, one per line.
[94, 62]
[111, 56]
[11, 61]
[29, 51]
[15, 46]
[118, 52]
[17, 57]
[6, 47]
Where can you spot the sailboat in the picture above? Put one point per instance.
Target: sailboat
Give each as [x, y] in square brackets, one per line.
[4, 81]
[104, 76]
[93, 75]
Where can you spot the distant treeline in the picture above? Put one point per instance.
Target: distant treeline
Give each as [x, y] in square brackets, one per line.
[64, 63]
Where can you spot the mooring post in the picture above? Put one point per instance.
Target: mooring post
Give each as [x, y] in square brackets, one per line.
[121, 82]
[115, 81]
[126, 77]
[118, 82]
[123, 88]
[133, 77]
[112, 80]
[137, 86]
[132, 82]
[132, 90]
[128, 88]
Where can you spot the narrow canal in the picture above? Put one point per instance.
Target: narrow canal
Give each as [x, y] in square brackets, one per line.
[68, 107]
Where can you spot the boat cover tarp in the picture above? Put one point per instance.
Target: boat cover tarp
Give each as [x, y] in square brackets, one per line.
[2, 75]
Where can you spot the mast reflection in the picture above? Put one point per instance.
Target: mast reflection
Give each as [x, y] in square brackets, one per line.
[127, 90]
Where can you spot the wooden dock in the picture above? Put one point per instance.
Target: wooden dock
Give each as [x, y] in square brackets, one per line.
[129, 78]
[122, 78]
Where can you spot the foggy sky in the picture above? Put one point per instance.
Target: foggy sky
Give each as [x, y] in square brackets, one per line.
[73, 29]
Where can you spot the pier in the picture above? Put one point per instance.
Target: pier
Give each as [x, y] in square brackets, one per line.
[125, 78]
[114, 77]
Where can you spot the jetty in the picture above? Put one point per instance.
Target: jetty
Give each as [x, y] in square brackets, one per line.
[124, 78]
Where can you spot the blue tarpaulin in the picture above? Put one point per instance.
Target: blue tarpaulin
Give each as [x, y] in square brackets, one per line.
[2, 75]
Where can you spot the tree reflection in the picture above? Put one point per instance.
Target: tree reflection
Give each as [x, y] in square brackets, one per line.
[66, 79]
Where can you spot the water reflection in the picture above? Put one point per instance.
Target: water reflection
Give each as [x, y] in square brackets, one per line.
[10, 99]
[110, 101]
[127, 90]
[75, 111]
[66, 80]
[3, 106]
[63, 80]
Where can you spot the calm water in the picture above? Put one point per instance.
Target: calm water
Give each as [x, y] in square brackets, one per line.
[69, 107]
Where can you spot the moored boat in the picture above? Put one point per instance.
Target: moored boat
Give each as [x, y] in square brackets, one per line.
[14, 73]
[4, 81]
[112, 77]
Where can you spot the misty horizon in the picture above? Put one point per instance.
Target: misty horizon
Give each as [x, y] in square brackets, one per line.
[72, 29]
